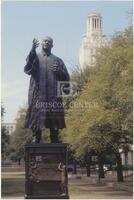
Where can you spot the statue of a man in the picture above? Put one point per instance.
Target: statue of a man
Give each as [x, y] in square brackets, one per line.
[45, 107]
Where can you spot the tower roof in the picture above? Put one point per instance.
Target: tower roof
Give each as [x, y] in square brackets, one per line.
[95, 15]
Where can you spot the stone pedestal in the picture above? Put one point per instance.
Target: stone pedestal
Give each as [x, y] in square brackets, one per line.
[46, 171]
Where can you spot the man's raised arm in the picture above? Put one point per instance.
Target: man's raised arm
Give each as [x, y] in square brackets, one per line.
[32, 60]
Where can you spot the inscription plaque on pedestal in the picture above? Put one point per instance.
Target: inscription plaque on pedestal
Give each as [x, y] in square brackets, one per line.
[46, 171]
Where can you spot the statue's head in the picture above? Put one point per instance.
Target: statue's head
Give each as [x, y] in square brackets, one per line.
[47, 43]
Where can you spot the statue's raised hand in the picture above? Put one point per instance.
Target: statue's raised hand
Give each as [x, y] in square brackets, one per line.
[35, 43]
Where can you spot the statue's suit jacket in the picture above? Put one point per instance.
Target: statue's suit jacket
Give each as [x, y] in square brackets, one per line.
[45, 108]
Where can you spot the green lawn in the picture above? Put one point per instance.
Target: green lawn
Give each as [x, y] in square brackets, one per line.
[13, 186]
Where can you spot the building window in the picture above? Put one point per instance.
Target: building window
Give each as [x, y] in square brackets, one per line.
[100, 24]
[95, 23]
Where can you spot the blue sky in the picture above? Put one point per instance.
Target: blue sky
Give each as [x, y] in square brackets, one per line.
[64, 21]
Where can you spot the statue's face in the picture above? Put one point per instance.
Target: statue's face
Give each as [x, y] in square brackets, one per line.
[47, 43]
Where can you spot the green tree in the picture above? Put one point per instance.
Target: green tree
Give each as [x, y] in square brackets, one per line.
[101, 116]
[4, 136]
[21, 136]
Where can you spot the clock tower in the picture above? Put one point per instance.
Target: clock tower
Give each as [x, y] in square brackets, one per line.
[91, 41]
[94, 24]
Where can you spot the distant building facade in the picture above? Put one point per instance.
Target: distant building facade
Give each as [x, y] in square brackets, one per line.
[10, 127]
[92, 40]
[127, 156]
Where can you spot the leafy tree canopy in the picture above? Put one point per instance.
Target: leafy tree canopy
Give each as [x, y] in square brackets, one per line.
[102, 114]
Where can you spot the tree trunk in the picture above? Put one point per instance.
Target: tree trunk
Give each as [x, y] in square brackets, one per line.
[19, 161]
[88, 161]
[75, 167]
[88, 169]
[119, 168]
[101, 170]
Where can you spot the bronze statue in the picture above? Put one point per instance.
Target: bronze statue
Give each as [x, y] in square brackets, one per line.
[45, 107]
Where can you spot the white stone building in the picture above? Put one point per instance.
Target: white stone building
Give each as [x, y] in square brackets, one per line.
[92, 40]
[127, 156]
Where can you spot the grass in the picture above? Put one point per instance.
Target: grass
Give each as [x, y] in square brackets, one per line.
[13, 186]
[12, 183]
[16, 187]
